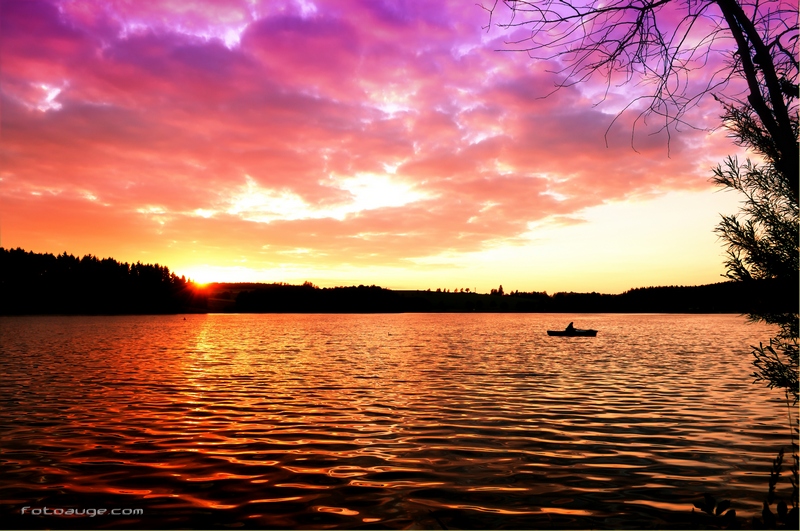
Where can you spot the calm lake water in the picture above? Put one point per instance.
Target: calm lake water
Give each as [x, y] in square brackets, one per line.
[381, 421]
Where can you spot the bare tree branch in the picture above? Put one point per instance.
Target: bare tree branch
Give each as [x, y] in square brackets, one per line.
[669, 45]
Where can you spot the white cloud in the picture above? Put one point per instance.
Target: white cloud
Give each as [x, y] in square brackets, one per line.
[367, 192]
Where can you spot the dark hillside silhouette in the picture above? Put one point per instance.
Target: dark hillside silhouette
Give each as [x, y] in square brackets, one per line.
[724, 297]
[282, 298]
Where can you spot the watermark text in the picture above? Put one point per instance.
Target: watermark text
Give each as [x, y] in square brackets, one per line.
[72, 511]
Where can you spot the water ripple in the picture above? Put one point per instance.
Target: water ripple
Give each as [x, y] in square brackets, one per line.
[381, 421]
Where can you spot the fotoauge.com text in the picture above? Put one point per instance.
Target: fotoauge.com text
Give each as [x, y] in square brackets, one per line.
[91, 513]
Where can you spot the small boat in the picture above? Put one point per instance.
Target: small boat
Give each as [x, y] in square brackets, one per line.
[575, 332]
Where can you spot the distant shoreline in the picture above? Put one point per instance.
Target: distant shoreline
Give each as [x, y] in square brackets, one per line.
[44, 284]
[725, 297]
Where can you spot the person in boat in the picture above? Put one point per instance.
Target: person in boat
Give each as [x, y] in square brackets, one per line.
[570, 328]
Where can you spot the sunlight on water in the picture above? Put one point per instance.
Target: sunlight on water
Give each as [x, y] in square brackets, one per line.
[392, 421]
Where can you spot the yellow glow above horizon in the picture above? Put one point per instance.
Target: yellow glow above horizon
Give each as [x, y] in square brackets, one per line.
[667, 240]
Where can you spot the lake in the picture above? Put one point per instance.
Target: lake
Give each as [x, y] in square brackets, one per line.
[425, 421]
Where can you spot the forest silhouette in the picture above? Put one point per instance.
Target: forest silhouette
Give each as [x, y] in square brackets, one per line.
[33, 283]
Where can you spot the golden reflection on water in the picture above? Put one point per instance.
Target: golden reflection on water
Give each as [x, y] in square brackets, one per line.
[404, 420]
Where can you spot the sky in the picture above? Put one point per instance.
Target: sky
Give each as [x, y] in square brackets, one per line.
[341, 142]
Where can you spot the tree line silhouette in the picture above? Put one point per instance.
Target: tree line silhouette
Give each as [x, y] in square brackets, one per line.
[723, 297]
[32, 283]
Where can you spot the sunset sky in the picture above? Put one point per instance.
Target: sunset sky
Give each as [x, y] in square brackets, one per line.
[340, 142]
